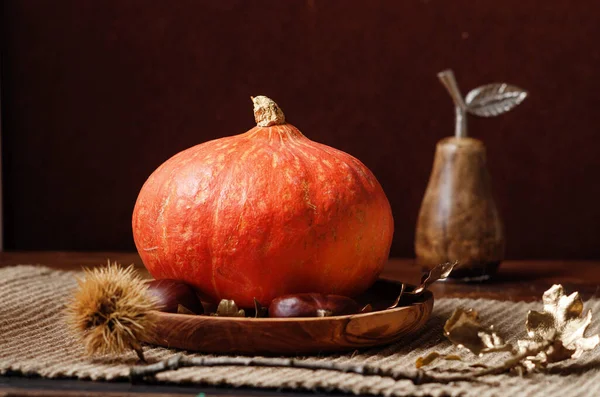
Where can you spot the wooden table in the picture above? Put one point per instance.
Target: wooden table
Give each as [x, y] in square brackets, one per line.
[516, 281]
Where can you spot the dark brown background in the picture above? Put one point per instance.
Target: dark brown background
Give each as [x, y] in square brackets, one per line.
[96, 94]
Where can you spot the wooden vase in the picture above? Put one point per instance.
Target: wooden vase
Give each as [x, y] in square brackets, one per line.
[458, 219]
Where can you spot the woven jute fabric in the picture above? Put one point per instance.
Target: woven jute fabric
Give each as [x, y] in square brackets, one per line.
[35, 341]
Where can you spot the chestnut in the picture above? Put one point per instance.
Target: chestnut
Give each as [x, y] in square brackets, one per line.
[171, 294]
[312, 305]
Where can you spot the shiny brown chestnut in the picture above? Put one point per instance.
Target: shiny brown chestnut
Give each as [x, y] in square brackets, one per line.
[312, 305]
[173, 293]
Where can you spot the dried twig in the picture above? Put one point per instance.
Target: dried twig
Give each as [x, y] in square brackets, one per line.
[146, 372]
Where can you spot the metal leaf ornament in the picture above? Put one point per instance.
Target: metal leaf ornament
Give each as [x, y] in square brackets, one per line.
[485, 101]
[494, 99]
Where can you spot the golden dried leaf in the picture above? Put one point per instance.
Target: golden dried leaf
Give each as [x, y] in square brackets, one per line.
[557, 352]
[439, 272]
[464, 329]
[541, 357]
[428, 359]
[563, 307]
[555, 334]
[540, 325]
[228, 308]
[562, 320]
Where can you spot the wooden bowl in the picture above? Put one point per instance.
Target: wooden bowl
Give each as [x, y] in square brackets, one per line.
[285, 336]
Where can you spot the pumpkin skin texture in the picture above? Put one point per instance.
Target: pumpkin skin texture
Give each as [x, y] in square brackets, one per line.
[263, 214]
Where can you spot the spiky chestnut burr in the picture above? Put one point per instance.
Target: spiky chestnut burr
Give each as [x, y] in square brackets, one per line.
[112, 311]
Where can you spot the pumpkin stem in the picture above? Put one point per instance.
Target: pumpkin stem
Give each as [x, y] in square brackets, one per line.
[266, 112]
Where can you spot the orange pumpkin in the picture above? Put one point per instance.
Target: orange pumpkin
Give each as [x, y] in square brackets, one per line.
[263, 214]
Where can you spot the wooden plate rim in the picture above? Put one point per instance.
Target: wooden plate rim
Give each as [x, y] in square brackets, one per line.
[424, 299]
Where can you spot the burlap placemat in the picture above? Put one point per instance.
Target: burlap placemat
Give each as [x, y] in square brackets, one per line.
[35, 341]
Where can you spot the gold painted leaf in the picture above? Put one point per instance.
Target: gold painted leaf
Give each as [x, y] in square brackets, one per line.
[428, 359]
[555, 334]
[573, 335]
[439, 272]
[464, 329]
[228, 308]
[555, 352]
[563, 307]
[558, 352]
[540, 325]
[561, 322]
